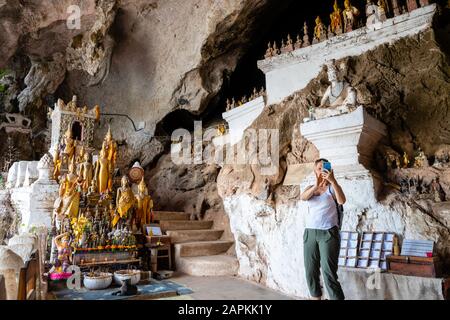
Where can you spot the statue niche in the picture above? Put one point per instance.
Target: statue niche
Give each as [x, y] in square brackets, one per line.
[339, 97]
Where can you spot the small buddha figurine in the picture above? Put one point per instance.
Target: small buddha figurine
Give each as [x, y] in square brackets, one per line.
[330, 34]
[69, 145]
[62, 243]
[86, 173]
[124, 201]
[233, 103]
[262, 92]
[298, 42]
[306, 42]
[228, 108]
[289, 44]
[80, 157]
[144, 206]
[350, 15]
[283, 48]
[411, 4]
[319, 31]
[72, 105]
[336, 19]
[420, 160]
[395, 8]
[102, 173]
[381, 10]
[275, 49]
[255, 93]
[405, 160]
[269, 51]
[371, 13]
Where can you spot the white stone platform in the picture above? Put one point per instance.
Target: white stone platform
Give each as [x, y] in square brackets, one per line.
[292, 71]
[241, 118]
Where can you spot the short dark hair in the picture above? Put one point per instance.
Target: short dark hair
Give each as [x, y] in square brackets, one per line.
[320, 160]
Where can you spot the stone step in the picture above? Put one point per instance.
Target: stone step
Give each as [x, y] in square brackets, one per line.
[202, 248]
[185, 225]
[180, 236]
[171, 215]
[208, 266]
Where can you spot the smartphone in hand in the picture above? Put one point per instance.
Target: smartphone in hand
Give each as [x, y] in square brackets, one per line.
[326, 166]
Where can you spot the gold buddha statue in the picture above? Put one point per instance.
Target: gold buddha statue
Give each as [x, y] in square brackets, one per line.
[405, 160]
[349, 14]
[69, 197]
[144, 206]
[102, 174]
[319, 30]
[110, 147]
[86, 173]
[70, 145]
[336, 19]
[124, 202]
[57, 166]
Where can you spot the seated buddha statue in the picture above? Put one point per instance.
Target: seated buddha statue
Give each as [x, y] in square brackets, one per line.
[124, 202]
[144, 206]
[339, 97]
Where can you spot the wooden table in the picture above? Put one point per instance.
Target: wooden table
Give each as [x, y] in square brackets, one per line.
[155, 256]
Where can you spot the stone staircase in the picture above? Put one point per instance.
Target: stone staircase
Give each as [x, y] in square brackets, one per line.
[199, 250]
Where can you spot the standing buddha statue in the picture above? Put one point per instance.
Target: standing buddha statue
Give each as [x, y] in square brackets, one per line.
[319, 31]
[350, 14]
[110, 147]
[102, 173]
[336, 19]
[124, 202]
[69, 145]
[68, 202]
[144, 206]
[86, 173]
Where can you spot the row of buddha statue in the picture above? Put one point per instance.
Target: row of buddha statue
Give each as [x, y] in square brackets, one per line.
[92, 211]
[231, 104]
[342, 21]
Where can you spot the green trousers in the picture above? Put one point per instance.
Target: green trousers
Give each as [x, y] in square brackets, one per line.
[321, 249]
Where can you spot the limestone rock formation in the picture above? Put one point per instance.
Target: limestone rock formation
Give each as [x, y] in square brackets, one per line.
[92, 51]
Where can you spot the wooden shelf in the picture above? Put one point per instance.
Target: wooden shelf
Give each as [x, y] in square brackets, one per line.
[102, 263]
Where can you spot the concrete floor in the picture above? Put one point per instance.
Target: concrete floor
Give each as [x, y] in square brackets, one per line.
[225, 288]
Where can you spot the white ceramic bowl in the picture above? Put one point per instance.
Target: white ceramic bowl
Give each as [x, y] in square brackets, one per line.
[134, 275]
[98, 282]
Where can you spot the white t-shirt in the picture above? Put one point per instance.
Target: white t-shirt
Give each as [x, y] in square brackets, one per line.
[322, 212]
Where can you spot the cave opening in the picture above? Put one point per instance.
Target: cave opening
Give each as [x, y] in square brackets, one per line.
[271, 26]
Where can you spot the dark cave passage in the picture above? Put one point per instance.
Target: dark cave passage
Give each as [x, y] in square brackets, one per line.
[271, 27]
